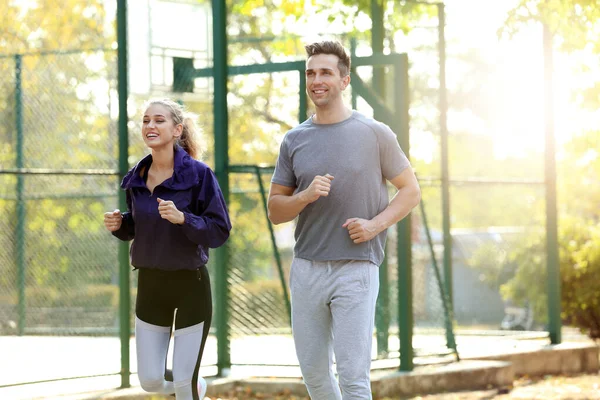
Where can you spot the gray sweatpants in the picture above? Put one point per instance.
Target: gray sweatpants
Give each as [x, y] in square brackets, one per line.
[333, 311]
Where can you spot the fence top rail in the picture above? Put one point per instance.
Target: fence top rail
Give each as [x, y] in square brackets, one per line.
[427, 180]
[50, 171]
[55, 52]
[247, 168]
[298, 65]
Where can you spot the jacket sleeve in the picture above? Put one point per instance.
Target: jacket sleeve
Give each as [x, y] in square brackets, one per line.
[127, 230]
[210, 224]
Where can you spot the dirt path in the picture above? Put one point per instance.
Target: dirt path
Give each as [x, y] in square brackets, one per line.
[549, 388]
[580, 387]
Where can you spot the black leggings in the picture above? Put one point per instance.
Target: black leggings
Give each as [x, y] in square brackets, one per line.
[161, 292]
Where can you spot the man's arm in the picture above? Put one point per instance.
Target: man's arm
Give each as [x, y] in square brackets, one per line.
[284, 205]
[406, 198]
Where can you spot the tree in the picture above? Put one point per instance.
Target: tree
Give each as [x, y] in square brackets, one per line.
[571, 20]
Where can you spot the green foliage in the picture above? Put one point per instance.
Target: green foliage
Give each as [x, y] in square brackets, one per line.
[528, 284]
[88, 296]
[580, 274]
[49, 24]
[574, 21]
[579, 242]
[397, 15]
[579, 174]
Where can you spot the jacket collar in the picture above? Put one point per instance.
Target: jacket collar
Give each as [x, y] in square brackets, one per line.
[184, 174]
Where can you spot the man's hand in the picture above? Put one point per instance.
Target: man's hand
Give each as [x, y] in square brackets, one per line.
[113, 220]
[360, 230]
[320, 186]
[168, 211]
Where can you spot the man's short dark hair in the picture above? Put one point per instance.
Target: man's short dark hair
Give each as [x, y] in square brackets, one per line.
[331, 47]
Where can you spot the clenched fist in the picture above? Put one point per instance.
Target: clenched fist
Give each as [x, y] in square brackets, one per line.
[113, 220]
[360, 230]
[320, 186]
[168, 211]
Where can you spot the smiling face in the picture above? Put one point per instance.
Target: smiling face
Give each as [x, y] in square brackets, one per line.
[158, 128]
[324, 83]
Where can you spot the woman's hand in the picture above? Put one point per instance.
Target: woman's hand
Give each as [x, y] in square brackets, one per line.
[168, 211]
[113, 220]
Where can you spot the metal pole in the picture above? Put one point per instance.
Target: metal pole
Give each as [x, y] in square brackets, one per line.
[21, 210]
[221, 170]
[447, 238]
[303, 97]
[377, 36]
[354, 97]
[554, 306]
[404, 245]
[382, 317]
[124, 281]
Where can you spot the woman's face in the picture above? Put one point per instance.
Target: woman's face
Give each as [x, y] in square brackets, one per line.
[158, 128]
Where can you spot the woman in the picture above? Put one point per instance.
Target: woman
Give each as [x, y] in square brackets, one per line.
[175, 212]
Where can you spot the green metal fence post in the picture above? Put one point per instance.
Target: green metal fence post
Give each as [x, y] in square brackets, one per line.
[20, 233]
[382, 317]
[124, 281]
[354, 96]
[443, 104]
[220, 112]
[404, 252]
[552, 257]
[377, 36]
[303, 97]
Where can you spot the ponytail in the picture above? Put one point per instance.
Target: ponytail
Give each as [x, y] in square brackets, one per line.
[189, 136]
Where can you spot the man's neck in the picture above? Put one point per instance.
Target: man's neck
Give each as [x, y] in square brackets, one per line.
[331, 116]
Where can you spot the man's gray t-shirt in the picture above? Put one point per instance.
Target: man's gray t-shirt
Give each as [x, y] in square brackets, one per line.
[361, 154]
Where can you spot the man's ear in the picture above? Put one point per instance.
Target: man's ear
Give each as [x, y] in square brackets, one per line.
[345, 82]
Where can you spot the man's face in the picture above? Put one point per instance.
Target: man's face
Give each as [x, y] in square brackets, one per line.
[324, 84]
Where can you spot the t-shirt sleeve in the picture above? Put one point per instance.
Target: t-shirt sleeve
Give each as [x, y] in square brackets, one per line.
[393, 159]
[284, 173]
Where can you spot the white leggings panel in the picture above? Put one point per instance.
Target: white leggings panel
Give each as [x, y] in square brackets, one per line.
[185, 359]
[152, 344]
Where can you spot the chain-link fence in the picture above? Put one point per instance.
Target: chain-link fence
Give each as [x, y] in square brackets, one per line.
[60, 267]
[258, 305]
[58, 176]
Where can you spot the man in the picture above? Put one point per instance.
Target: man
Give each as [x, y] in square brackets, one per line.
[331, 173]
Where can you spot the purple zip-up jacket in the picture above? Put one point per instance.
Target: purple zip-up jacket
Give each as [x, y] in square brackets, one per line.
[160, 244]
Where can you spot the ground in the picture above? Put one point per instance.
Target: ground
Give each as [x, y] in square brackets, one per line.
[580, 387]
